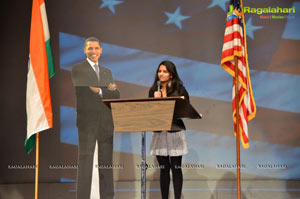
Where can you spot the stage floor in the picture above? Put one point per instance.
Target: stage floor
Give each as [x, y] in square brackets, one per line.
[251, 189]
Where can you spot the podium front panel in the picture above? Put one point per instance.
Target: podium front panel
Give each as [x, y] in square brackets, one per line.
[143, 116]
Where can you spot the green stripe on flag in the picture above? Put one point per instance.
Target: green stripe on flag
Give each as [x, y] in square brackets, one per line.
[29, 143]
[51, 71]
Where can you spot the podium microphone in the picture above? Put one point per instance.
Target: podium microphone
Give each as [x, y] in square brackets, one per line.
[158, 85]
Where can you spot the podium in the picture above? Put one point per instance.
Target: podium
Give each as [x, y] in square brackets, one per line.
[148, 114]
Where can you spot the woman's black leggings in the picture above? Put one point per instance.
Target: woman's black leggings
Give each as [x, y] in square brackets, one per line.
[174, 163]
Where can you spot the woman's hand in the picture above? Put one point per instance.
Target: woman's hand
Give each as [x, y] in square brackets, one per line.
[157, 94]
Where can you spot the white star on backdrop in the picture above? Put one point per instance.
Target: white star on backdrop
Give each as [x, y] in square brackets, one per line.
[250, 28]
[110, 4]
[176, 17]
[220, 3]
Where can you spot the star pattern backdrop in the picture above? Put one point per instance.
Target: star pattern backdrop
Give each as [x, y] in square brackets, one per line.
[138, 34]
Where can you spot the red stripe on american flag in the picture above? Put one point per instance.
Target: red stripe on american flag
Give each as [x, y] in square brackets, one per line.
[230, 52]
[234, 35]
[232, 21]
[241, 75]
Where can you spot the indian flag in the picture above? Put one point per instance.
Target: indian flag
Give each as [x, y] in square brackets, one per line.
[40, 69]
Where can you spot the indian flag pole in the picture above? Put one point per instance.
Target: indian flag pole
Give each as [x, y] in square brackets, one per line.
[40, 70]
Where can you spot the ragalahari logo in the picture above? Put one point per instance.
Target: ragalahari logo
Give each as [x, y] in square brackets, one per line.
[271, 12]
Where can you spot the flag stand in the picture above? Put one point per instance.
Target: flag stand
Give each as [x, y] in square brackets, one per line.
[235, 50]
[238, 173]
[237, 126]
[40, 70]
[36, 166]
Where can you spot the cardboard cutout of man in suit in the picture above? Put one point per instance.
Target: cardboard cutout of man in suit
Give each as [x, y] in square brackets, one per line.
[94, 120]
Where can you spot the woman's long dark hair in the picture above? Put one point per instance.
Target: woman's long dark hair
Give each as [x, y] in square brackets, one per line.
[175, 81]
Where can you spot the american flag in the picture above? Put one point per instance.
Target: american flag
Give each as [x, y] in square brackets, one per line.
[234, 46]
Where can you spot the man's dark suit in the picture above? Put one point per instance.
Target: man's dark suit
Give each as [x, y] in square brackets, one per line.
[94, 122]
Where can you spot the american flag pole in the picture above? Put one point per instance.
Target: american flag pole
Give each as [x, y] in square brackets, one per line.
[238, 171]
[234, 61]
[237, 104]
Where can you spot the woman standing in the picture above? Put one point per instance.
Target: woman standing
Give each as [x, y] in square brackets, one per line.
[169, 147]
